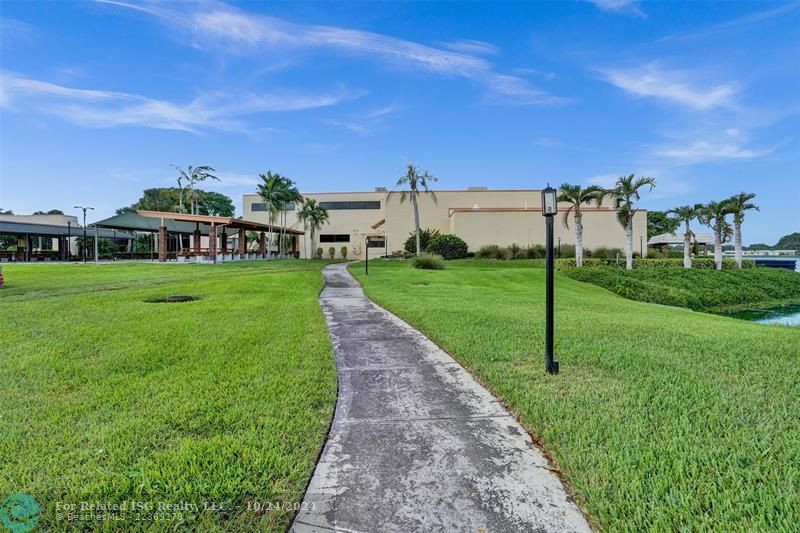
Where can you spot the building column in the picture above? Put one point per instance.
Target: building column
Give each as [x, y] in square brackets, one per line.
[212, 243]
[262, 244]
[162, 244]
[224, 242]
[242, 241]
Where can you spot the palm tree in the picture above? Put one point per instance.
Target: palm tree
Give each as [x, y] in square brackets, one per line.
[714, 214]
[576, 196]
[192, 175]
[417, 180]
[272, 190]
[313, 216]
[624, 194]
[291, 195]
[685, 214]
[738, 204]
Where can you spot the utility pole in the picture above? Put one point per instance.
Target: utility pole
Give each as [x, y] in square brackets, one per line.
[84, 208]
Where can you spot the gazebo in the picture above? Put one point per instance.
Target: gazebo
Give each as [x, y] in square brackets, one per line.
[667, 239]
[182, 224]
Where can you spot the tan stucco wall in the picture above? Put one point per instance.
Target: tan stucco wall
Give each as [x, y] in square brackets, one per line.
[480, 217]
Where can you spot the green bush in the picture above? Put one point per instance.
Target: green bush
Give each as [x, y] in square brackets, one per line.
[699, 289]
[319, 252]
[604, 253]
[448, 246]
[514, 251]
[537, 251]
[332, 252]
[428, 262]
[343, 252]
[700, 263]
[425, 236]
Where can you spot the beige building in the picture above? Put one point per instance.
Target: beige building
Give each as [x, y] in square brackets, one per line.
[478, 215]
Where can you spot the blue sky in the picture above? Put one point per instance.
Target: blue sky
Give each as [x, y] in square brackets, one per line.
[99, 98]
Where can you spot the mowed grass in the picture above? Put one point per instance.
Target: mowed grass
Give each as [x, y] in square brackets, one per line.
[222, 403]
[661, 419]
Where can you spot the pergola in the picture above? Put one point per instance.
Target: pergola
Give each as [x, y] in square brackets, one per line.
[196, 225]
[25, 231]
[667, 239]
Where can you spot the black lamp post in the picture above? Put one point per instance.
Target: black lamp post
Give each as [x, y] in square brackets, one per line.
[549, 210]
[84, 227]
[366, 255]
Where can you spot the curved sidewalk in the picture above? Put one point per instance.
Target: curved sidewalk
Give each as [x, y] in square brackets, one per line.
[416, 443]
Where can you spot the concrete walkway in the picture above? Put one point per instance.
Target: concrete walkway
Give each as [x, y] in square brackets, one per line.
[416, 444]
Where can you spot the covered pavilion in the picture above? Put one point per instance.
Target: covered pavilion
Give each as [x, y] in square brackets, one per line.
[215, 228]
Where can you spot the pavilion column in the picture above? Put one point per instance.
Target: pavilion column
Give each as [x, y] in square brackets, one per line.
[242, 241]
[224, 242]
[262, 244]
[197, 239]
[212, 243]
[162, 244]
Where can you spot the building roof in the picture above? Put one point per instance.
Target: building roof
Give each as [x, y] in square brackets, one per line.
[238, 223]
[674, 238]
[23, 228]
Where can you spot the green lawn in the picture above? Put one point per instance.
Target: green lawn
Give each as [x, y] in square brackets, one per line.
[701, 290]
[223, 403]
[661, 419]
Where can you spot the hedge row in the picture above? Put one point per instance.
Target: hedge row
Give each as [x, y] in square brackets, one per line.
[699, 263]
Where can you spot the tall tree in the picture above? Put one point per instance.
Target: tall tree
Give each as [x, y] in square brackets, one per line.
[417, 180]
[9, 212]
[576, 196]
[313, 216]
[659, 222]
[713, 214]
[738, 205]
[624, 194]
[271, 190]
[215, 204]
[291, 196]
[684, 215]
[50, 212]
[191, 176]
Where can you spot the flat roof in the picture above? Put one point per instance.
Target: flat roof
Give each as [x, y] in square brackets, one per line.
[210, 220]
[29, 228]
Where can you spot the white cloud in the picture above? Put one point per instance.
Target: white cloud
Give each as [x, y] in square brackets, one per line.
[240, 32]
[106, 109]
[546, 142]
[676, 86]
[470, 46]
[620, 6]
[731, 144]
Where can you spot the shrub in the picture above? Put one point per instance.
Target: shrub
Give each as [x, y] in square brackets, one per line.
[448, 246]
[491, 251]
[425, 236]
[343, 252]
[537, 251]
[566, 250]
[319, 252]
[702, 263]
[428, 262]
[332, 252]
[604, 253]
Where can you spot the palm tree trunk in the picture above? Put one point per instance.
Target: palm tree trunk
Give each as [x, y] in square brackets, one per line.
[718, 250]
[737, 228]
[629, 245]
[687, 244]
[578, 240]
[416, 218]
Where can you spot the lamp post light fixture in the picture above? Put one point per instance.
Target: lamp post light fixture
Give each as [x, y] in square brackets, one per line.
[549, 210]
[84, 227]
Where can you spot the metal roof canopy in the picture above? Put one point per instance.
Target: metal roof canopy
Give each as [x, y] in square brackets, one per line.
[215, 221]
[674, 238]
[26, 228]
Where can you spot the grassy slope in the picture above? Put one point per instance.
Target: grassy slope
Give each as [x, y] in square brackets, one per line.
[106, 398]
[660, 419]
[701, 290]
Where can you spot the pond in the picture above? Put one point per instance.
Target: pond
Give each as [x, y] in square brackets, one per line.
[787, 316]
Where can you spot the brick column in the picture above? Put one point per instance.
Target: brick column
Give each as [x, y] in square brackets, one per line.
[196, 242]
[242, 241]
[262, 244]
[212, 243]
[162, 244]
[224, 242]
